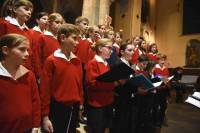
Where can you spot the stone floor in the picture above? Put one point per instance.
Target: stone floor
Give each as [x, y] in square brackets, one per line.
[182, 118]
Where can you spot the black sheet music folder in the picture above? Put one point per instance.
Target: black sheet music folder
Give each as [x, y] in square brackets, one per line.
[117, 72]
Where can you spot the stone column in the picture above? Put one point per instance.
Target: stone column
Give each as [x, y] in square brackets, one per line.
[152, 19]
[90, 10]
[104, 9]
[55, 5]
[96, 10]
[135, 17]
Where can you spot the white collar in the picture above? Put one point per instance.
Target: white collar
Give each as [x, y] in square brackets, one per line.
[90, 40]
[4, 72]
[116, 45]
[58, 53]
[100, 59]
[48, 33]
[125, 61]
[36, 28]
[83, 37]
[20, 72]
[137, 68]
[158, 66]
[15, 22]
[9, 18]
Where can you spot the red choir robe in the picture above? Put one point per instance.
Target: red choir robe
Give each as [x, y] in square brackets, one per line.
[11, 25]
[84, 51]
[136, 55]
[19, 101]
[46, 45]
[152, 56]
[35, 33]
[100, 94]
[160, 71]
[61, 80]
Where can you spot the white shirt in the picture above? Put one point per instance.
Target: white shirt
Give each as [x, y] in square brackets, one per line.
[100, 59]
[15, 22]
[58, 53]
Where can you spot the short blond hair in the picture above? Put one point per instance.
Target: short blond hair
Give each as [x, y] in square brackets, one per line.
[101, 42]
[9, 5]
[54, 16]
[80, 19]
[19, 3]
[67, 30]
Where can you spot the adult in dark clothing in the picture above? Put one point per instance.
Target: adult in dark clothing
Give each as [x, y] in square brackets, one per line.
[177, 85]
[122, 104]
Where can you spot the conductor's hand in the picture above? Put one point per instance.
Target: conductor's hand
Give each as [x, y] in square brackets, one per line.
[141, 90]
[47, 125]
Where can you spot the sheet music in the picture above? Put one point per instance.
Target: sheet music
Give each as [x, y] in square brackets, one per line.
[166, 79]
[171, 77]
[193, 101]
[187, 79]
[157, 84]
[196, 95]
[163, 80]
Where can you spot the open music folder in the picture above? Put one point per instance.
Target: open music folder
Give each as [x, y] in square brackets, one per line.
[141, 80]
[117, 72]
[194, 99]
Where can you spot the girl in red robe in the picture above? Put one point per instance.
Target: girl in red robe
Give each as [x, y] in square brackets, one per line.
[100, 94]
[19, 12]
[19, 98]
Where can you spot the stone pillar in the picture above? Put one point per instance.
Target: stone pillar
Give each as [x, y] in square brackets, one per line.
[90, 10]
[152, 19]
[95, 15]
[96, 10]
[55, 5]
[135, 17]
[104, 9]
